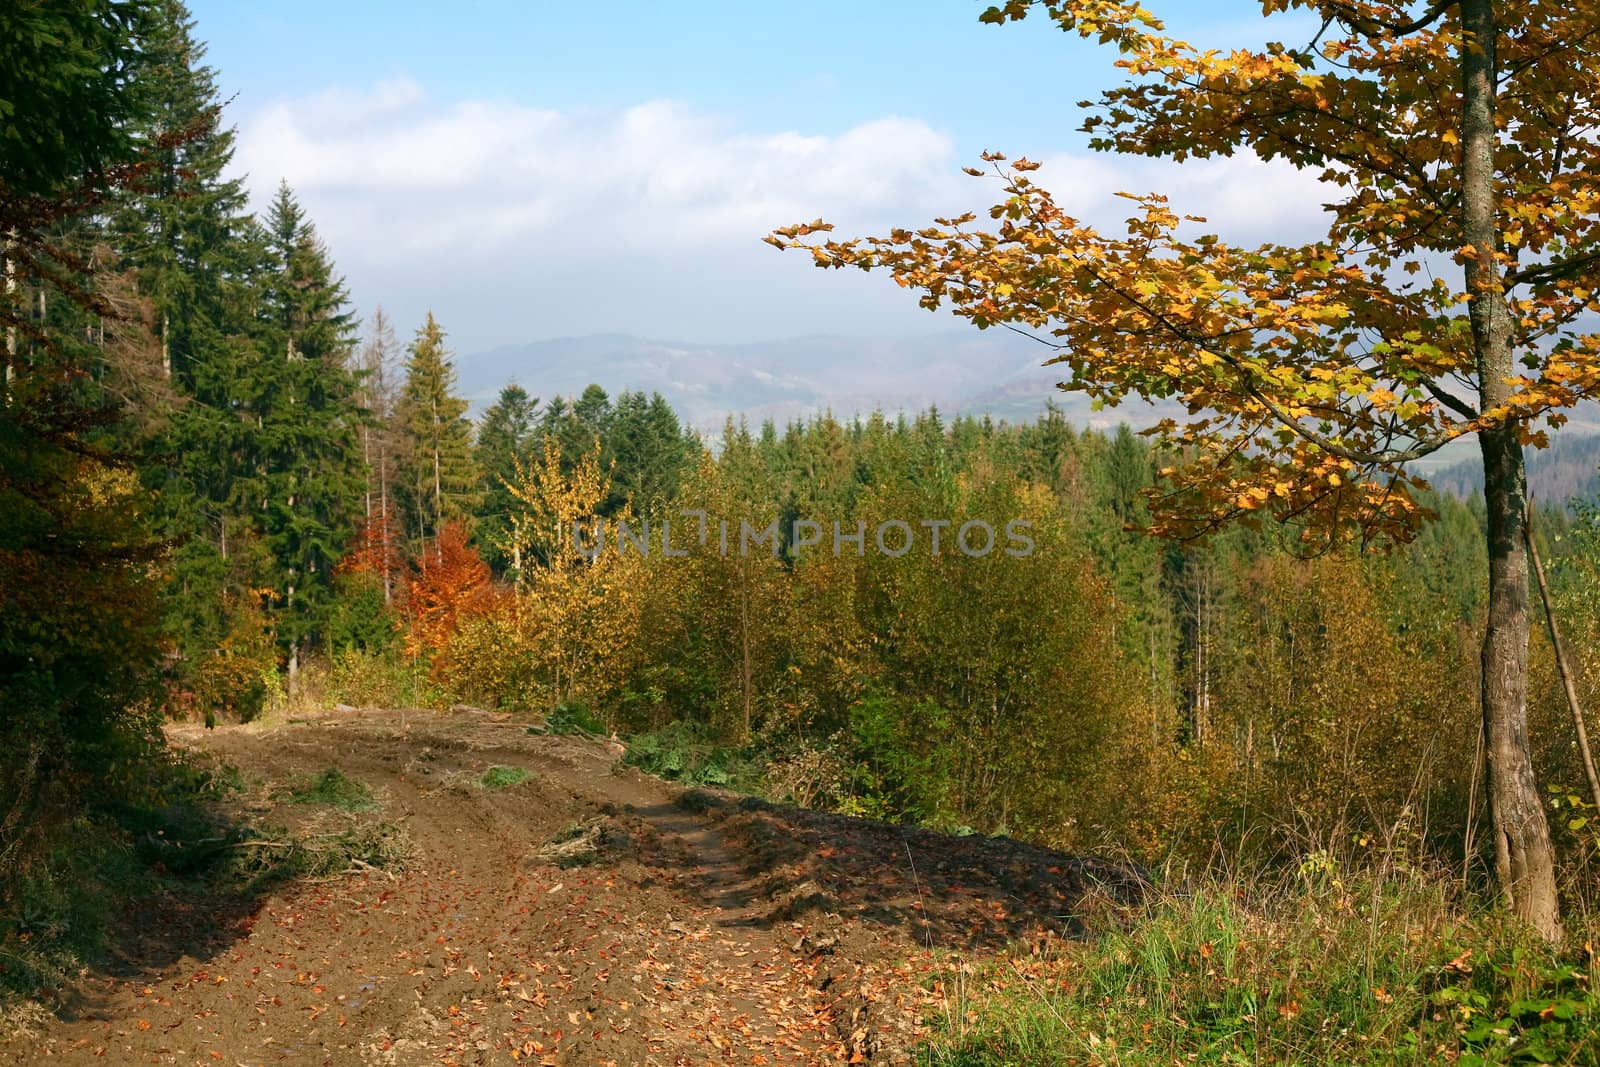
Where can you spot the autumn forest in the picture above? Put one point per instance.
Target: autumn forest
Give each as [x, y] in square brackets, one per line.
[1226, 739]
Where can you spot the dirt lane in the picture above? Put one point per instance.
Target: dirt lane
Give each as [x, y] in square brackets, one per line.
[700, 930]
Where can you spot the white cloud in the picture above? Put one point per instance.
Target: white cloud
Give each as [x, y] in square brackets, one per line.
[515, 222]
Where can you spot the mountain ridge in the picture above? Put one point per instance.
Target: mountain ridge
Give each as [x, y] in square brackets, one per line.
[966, 372]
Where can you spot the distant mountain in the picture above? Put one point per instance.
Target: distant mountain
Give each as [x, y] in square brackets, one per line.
[1569, 467]
[995, 372]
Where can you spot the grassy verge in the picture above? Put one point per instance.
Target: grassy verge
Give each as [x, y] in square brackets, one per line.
[1320, 969]
[61, 900]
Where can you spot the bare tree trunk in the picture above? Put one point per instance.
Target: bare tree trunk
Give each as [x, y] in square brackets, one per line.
[746, 670]
[438, 483]
[11, 327]
[1563, 667]
[1524, 856]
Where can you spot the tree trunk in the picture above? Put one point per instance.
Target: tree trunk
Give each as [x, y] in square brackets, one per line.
[438, 483]
[8, 254]
[1524, 856]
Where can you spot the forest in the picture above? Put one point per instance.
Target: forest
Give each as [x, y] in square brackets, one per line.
[231, 500]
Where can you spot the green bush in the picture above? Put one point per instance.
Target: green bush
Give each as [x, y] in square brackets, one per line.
[503, 777]
[573, 717]
[687, 753]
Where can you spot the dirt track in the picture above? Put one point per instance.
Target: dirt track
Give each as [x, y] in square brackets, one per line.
[704, 930]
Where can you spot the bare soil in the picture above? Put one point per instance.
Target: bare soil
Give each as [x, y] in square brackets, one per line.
[586, 915]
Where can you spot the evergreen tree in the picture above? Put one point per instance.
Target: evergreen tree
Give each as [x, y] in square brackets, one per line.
[440, 476]
[180, 230]
[185, 233]
[505, 438]
[307, 477]
[580, 426]
[653, 453]
[79, 651]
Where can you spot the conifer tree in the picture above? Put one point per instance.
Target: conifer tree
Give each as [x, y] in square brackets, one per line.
[653, 453]
[307, 479]
[440, 476]
[186, 235]
[179, 231]
[505, 438]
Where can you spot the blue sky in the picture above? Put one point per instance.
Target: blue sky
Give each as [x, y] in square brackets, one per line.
[535, 169]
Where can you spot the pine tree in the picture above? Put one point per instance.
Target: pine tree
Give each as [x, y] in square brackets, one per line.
[440, 477]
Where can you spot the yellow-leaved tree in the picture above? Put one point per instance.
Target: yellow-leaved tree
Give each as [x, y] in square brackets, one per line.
[575, 600]
[1455, 139]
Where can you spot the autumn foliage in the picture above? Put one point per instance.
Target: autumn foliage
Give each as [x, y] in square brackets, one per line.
[1452, 294]
[378, 549]
[449, 584]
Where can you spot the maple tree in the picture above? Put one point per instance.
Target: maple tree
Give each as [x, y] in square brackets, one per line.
[1455, 132]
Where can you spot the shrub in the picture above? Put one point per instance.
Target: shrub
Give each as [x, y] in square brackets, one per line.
[686, 752]
[333, 790]
[573, 717]
[503, 777]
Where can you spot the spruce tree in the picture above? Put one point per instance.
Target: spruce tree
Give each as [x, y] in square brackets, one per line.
[307, 478]
[505, 438]
[180, 230]
[440, 476]
[185, 233]
[652, 450]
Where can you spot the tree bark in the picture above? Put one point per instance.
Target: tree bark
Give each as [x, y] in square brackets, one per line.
[1524, 856]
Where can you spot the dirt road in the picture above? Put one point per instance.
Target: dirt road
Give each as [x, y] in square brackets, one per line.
[584, 915]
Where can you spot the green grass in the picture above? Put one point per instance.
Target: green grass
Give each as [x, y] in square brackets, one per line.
[1328, 971]
[332, 789]
[503, 777]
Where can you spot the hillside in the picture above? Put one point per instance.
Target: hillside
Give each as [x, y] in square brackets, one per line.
[1569, 468]
[994, 372]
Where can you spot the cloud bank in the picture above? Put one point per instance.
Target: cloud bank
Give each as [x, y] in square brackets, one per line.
[514, 222]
